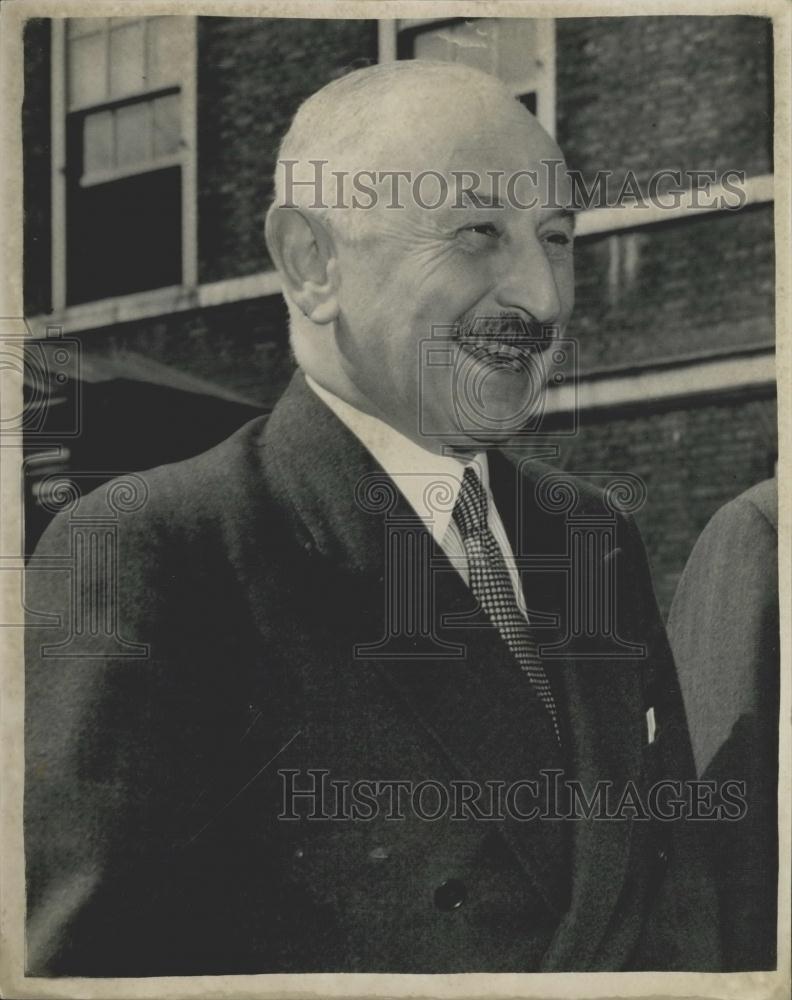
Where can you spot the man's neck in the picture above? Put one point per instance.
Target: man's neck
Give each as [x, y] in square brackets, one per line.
[417, 471]
[343, 391]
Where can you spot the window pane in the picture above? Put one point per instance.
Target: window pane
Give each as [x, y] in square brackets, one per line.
[517, 49]
[529, 101]
[169, 43]
[98, 142]
[84, 25]
[167, 125]
[127, 59]
[87, 70]
[124, 236]
[476, 43]
[470, 42]
[133, 134]
[433, 45]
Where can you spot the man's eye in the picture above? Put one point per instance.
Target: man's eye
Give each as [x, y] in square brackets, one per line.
[483, 229]
[558, 239]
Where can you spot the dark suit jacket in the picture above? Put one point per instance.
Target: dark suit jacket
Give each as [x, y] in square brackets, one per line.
[252, 573]
[724, 630]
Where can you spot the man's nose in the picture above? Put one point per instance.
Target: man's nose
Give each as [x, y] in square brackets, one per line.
[529, 284]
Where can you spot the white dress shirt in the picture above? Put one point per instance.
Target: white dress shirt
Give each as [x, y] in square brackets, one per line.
[429, 482]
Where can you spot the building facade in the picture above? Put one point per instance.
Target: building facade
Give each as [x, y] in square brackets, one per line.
[149, 148]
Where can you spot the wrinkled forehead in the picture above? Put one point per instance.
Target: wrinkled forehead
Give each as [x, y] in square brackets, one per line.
[440, 141]
[472, 131]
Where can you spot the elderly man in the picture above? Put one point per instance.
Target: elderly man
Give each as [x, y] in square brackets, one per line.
[349, 611]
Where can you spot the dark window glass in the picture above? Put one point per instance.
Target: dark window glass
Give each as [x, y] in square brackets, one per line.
[124, 234]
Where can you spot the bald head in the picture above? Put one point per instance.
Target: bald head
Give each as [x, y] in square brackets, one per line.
[411, 116]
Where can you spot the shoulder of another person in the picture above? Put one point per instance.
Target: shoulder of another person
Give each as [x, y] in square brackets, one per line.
[761, 499]
[748, 520]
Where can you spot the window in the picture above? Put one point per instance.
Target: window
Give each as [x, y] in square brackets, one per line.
[127, 152]
[519, 50]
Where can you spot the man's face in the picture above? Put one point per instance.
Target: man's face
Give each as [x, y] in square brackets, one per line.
[441, 308]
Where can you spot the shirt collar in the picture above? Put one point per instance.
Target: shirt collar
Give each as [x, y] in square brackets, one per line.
[429, 482]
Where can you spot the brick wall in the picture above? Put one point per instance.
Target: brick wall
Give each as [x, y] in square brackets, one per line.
[686, 93]
[241, 347]
[644, 93]
[675, 289]
[253, 75]
[693, 459]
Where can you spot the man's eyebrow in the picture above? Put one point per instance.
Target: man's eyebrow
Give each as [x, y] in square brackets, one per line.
[562, 213]
[473, 199]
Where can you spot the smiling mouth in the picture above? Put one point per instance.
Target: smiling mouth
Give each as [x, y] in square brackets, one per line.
[513, 353]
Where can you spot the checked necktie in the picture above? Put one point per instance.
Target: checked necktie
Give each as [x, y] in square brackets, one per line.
[492, 587]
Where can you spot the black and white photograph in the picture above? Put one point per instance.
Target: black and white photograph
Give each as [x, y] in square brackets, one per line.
[395, 458]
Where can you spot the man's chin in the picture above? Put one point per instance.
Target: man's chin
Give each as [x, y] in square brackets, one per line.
[500, 407]
[471, 432]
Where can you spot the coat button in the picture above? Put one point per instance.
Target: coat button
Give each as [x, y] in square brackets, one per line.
[450, 895]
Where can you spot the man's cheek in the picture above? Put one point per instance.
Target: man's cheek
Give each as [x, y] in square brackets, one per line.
[566, 289]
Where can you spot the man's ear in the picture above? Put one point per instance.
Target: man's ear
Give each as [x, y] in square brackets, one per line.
[304, 253]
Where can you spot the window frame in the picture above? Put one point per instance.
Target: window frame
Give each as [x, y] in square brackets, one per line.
[91, 177]
[391, 31]
[187, 159]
